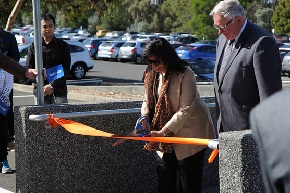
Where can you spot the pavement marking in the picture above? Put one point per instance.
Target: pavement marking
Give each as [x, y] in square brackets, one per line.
[4, 191]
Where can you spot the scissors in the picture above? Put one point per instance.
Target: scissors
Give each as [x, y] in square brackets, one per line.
[142, 129]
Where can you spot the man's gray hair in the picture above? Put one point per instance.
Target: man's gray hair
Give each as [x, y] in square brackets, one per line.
[228, 9]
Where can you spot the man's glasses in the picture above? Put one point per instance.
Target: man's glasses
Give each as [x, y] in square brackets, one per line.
[154, 62]
[223, 27]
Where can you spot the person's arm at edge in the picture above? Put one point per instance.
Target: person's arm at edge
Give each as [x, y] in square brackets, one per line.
[15, 68]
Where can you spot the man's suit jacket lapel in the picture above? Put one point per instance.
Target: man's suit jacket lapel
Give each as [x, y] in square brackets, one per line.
[237, 48]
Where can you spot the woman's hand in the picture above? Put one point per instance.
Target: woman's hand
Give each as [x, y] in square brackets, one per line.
[157, 134]
[148, 146]
[144, 123]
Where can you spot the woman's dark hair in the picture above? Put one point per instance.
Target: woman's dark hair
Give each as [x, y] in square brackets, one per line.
[48, 16]
[162, 50]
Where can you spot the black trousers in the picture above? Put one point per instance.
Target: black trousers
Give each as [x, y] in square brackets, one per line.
[186, 173]
[3, 137]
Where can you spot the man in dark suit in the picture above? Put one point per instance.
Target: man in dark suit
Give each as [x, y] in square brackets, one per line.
[270, 124]
[248, 66]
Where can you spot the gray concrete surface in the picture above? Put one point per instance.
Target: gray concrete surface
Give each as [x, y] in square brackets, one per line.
[89, 94]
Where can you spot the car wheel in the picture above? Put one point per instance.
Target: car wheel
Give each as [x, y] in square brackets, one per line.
[116, 59]
[122, 60]
[96, 56]
[138, 60]
[78, 71]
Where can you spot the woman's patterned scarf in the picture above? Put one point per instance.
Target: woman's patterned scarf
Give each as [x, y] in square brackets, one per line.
[160, 111]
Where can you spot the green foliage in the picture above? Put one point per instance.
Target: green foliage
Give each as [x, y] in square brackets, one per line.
[281, 17]
[114, 18]
[201, 22]
[93, 22]
[251, 10]
[150, 15]
[140, 27]
[264, 16]
[156, 24]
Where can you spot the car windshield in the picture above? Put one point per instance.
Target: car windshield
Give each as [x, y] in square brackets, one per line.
[129, 44]
[285, 46]
[87, 42]
[107, 44]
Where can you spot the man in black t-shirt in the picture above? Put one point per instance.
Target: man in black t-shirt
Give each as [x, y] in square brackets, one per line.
[56, 58]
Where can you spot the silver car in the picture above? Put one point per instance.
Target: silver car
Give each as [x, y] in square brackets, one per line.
[286, 64]
[132, 51]
[109, 50]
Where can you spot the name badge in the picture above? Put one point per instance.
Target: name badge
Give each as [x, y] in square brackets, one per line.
[54, 73]
[3, 108]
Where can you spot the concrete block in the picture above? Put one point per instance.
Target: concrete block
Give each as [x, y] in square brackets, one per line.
[239, 163]
[54, 160]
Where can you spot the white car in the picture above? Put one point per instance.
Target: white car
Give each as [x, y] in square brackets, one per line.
[24, 38]
[81, 61]
[146, 37]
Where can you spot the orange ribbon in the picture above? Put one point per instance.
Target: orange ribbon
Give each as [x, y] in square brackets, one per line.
[81, 129]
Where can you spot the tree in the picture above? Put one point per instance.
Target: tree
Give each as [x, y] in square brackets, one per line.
[82, 7]
[13, 15]
[114, 18]
[93, 21]
[201, 22]
[280, 20]
[264, 16]
[251, 10]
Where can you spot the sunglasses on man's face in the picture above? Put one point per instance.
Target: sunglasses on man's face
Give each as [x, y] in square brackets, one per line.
[154, 62]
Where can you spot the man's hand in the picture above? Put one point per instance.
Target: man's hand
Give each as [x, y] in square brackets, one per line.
[31, 73]
[48, 90]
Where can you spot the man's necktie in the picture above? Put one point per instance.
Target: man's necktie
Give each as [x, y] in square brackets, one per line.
[227, 52]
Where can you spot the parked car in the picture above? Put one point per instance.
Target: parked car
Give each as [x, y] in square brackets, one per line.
[92, 44]
[167, 37]
[132, 35]
[24, 38]
[132, 51]
[110, 50]
[80, 37]
[176, 45]
[211, 42]
[81, 61]
[279, 43]
[114, 35]
[23, 51]
[146, 37]
[193, 52]
[203, 69]
[129, 37]
[184, 39]
[101, 33]
[286, 64]
[283, 50]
